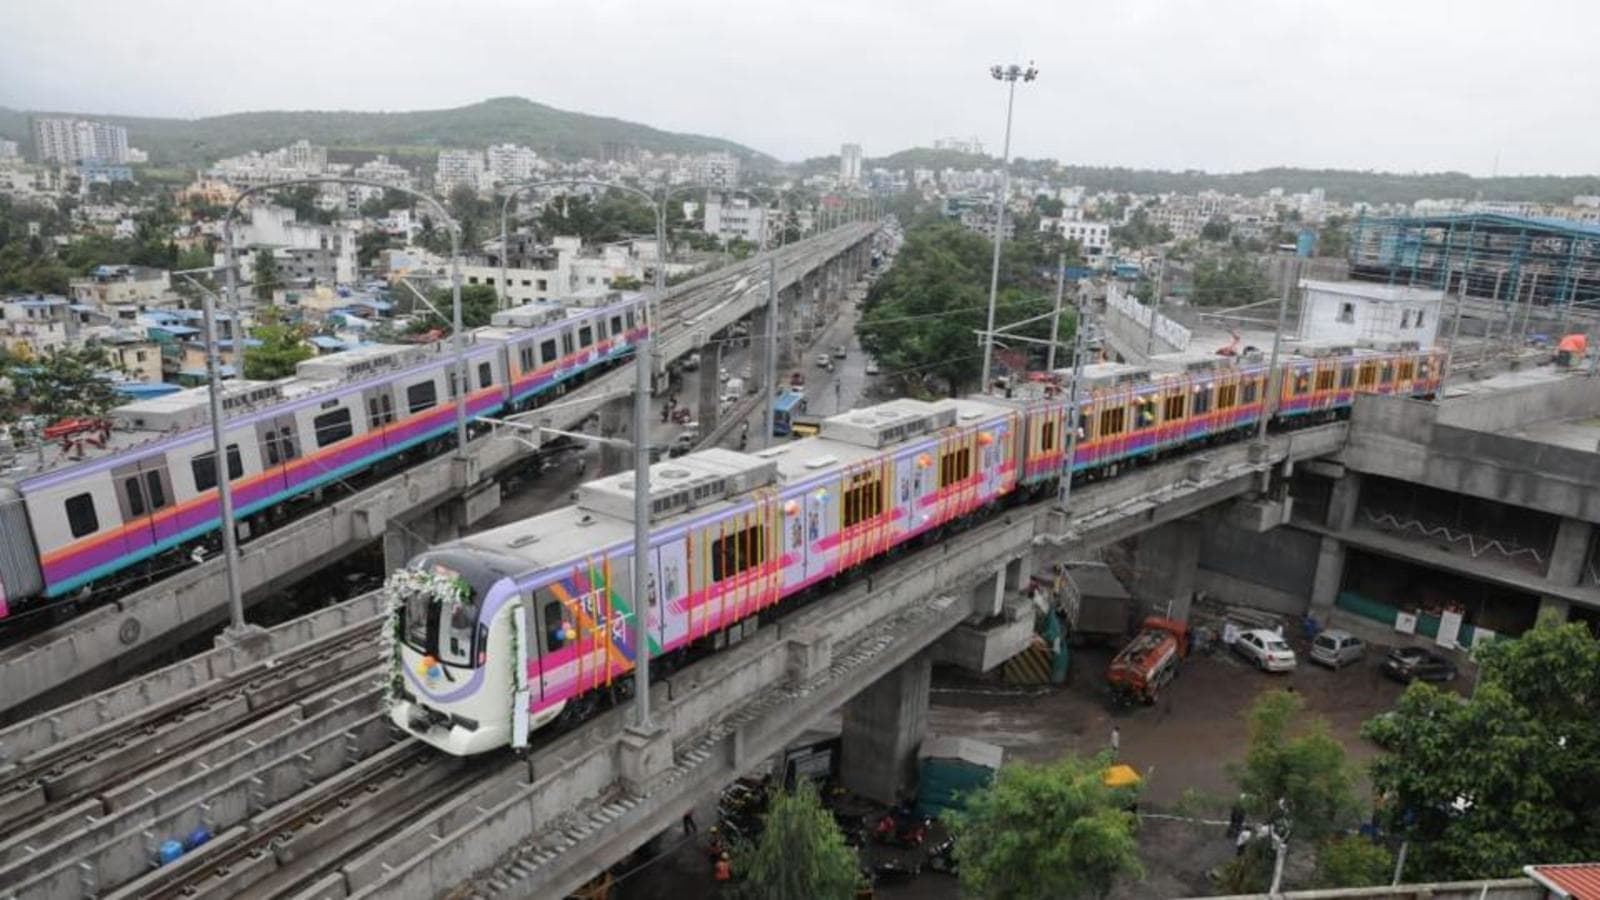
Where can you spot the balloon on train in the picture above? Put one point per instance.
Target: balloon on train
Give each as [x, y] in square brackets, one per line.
[532, 623]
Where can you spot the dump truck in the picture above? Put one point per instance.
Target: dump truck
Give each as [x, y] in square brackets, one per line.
[1148, 663]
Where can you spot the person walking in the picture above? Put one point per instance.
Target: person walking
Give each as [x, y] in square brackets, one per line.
[1116, 741]
[1236, 817]
[689, 826]
[1242, 841]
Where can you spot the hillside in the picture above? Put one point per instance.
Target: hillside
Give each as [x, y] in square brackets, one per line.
[551, 131]
[1344, 185]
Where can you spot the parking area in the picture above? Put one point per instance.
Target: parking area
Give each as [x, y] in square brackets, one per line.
[1182, 743]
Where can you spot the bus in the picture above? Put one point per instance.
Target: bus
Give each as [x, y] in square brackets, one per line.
[785, 409]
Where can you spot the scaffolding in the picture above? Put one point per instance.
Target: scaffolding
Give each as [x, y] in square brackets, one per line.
[1508, 261]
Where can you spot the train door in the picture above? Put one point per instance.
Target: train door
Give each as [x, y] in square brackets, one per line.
[280, 445]
[791, 541]
[822, 526]
[378, 404]
[143, 488]
[993, 438]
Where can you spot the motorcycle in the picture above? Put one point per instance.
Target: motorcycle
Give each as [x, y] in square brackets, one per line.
[942, 857]
[907, 832]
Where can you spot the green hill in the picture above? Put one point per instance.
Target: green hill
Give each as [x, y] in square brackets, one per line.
[1344, 185]
[551, 131]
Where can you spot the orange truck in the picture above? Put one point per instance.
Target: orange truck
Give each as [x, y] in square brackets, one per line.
[1144, 667]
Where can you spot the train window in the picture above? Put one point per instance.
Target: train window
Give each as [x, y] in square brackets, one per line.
[616, 325]
[863, 501]
[80, 515]
[158, 494]
[525, 356]
[421, 396]
[547, 351]
[955, 466]
[414, 622]
[1250, 391]
[1407, 368]
[485, 375]
[738, 552]
[1347, 377]
[1173, 408]
[1369, 374]
[1202, 401]
[1047, 436]
[450, 383]
[333, 427]
[1111, 421]
[628, 316]
[1422, 369]
[1144, 413]
[566, 344]
[586, 336]
[1388, 373]
[130, 487]
[286, 439]
[1227, 396]
[555, 626]
[456, 627]
[1325, 379]
[204, 466]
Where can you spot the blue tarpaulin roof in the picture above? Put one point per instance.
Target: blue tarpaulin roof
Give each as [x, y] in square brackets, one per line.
[146, 389]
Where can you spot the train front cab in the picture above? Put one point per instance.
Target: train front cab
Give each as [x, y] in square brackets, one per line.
[454, 679]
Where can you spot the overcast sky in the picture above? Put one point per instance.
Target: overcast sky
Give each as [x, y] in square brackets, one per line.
[1223, 85]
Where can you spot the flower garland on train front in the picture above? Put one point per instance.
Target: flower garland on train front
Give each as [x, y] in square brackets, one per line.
[405, 585]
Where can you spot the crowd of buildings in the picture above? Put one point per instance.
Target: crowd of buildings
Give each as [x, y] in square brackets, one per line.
[140, 314]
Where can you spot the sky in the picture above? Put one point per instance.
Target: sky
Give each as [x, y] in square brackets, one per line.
[1220, 85]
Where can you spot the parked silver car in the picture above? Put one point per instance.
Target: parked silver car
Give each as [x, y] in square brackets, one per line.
[1336, 648]
[1266, 649]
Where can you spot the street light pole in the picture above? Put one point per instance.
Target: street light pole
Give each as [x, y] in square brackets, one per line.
[1010, 74]
[1074, 419]
[219, 453]
[1269, 403]
[1055, 314]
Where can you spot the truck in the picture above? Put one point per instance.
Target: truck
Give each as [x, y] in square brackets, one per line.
[1094, 604]
[1148, 663]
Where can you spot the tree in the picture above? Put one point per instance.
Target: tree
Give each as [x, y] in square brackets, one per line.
[369, 244]
[791, 227]
[1294, 771]
[801, 854]
[1215, 230]
[266, 275]
[1046, 831]
[64, 383]
[1334, 238]
[1233, 280]
[282, 346]
[479, 303]
[1353, 862]
[1480, 786]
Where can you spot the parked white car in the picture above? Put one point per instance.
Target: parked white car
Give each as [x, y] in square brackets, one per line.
[1266, 649]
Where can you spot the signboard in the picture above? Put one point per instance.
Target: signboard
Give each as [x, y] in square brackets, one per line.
[816, 762]
[1405, 623]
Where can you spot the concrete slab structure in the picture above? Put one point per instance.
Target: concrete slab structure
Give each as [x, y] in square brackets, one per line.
[883, 730]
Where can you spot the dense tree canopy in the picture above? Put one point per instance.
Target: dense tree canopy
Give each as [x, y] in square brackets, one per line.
[1295, 769]
[1484, 785]
[479, 303]
[800, 855]
[1046, 831]
[923, 316]
[1231, 280]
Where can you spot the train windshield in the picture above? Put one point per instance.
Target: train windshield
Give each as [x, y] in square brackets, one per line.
[438, 613]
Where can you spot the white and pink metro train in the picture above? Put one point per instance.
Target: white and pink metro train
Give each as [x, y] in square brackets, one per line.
[500, 633]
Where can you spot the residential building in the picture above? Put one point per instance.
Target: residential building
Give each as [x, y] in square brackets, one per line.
[717, 169]
[95, 171]
[850, 164]
[456, 167]
[136, 354]
[510, 163]
[960, 145]
[383, 171]
[728, 219]
[1094, 238]
[8, 150]
[70, 140]
[304, 251]
[564, 271]
[34, 325]
[210, 191]
[306, 156]
[118, 288]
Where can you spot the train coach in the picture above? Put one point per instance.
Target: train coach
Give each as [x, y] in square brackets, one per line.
[104, 501]
[515, 628]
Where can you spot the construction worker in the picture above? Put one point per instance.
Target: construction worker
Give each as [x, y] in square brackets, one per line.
[723, 871]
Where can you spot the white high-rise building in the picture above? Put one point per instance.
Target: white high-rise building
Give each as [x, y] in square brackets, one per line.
[510, 162]
[8, 149]
[71, 140]
[383, 171]
[306, 156]
[717, 169]
[458, 167]
[850, 163]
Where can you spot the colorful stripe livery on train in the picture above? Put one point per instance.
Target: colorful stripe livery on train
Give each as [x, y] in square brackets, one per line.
[500, 633]
[101, 503]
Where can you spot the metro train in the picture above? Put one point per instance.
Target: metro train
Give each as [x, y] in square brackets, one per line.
[108, 499]
[512, 629]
